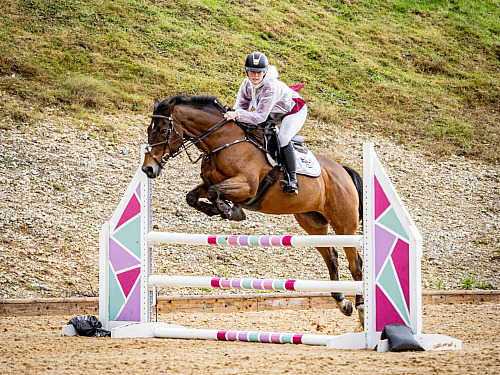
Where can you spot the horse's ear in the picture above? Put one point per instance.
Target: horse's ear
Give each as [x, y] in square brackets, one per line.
[157, 103]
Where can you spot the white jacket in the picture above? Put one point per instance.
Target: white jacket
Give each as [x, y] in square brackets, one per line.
[270, 98]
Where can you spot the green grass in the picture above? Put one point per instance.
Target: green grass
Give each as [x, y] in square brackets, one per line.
[470, 283]
[426, 72]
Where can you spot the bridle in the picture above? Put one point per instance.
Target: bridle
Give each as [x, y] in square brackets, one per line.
[188, 142]
[166, 155]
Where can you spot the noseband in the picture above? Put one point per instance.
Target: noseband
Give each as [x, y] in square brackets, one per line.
[166, 155]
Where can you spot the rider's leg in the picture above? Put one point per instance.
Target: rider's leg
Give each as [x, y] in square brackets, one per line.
[289, 184]
[290, 125]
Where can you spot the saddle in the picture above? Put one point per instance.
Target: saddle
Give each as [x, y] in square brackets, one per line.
[271, 146]
[272, 150]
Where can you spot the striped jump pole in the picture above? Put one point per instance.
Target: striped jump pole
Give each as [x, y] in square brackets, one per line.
[248, 336]
[174, 331]
[257, 284]
[154, 238]
[391, 286]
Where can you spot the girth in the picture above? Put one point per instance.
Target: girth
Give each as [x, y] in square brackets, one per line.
[253, 204]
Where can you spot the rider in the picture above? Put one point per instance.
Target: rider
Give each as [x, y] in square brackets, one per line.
[262, 95]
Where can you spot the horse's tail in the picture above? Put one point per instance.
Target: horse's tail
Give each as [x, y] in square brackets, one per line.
[358, 182]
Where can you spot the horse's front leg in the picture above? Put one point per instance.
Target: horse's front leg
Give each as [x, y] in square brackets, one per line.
[193, 200]
[231, 187]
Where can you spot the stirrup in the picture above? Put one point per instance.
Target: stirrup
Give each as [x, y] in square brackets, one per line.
[289, 187]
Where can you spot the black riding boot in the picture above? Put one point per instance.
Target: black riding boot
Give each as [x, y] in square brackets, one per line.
[289, 184]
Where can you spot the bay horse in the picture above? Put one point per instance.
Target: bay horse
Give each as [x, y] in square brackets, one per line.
[233, 166]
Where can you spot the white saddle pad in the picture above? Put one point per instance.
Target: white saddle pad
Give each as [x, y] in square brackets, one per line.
[305, 163]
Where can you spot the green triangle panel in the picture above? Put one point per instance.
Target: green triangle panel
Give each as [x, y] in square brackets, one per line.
[130, 236]
[116, 297]
[389, 282]
[391, 221]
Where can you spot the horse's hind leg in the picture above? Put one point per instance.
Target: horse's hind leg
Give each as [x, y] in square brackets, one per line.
[315, 223]
[355, 266]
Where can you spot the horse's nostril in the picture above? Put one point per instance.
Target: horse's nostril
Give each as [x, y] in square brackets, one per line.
[148, 170]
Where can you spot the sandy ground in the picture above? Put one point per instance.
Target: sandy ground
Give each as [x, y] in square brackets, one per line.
[34, 345]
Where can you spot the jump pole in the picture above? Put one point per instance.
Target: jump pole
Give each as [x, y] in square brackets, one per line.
[392, 248]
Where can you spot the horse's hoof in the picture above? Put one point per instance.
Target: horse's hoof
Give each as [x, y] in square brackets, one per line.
[225, 215]
[239, 217]
[346, 307]
[238, 213]
[359, 300]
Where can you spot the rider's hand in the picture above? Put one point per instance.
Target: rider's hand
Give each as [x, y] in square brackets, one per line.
[231, 115]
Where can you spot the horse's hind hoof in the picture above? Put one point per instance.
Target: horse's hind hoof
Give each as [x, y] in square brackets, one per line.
[224, 209]
[346, 307]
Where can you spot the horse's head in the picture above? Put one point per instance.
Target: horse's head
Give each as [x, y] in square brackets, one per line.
[164, 138]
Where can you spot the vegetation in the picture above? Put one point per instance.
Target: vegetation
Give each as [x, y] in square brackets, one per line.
[470, 283]
[426, 73]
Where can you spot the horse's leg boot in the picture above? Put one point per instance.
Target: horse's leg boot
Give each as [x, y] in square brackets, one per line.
[289, 184]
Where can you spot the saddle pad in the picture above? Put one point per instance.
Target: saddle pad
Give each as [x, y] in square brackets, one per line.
[305, 163]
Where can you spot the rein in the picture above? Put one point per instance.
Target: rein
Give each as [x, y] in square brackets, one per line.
[186, 144]
[246, 139]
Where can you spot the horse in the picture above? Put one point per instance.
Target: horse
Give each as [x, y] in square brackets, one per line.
[234, 165]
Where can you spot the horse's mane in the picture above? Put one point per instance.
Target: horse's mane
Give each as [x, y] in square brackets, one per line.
[204, 100]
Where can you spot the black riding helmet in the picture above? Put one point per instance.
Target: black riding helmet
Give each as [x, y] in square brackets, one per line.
[256, 62]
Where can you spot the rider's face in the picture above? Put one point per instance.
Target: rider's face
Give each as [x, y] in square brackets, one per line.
[255, 77]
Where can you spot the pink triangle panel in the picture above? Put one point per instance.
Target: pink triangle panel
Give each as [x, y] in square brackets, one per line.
[381, 201]
[401, 261]
[127, 279]
[386, 313]
[133, 208]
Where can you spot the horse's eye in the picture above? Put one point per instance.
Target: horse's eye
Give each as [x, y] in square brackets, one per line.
[163, 131]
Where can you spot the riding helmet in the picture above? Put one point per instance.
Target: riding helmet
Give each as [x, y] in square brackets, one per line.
[256, 62]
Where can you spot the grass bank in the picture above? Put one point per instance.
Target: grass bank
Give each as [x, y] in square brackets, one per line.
[426, 73]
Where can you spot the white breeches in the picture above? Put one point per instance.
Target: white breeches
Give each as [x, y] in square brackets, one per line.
[290, 126]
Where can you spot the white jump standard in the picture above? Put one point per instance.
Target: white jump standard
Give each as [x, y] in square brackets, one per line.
[392, 248]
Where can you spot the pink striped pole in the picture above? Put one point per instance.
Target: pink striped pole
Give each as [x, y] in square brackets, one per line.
[258, 284]
[253, 240]
[176, 332]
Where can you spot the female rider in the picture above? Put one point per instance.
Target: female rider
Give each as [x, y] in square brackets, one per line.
[262, 95]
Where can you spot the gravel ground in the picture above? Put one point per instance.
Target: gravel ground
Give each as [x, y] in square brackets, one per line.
[60, 180]
[34, 345]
